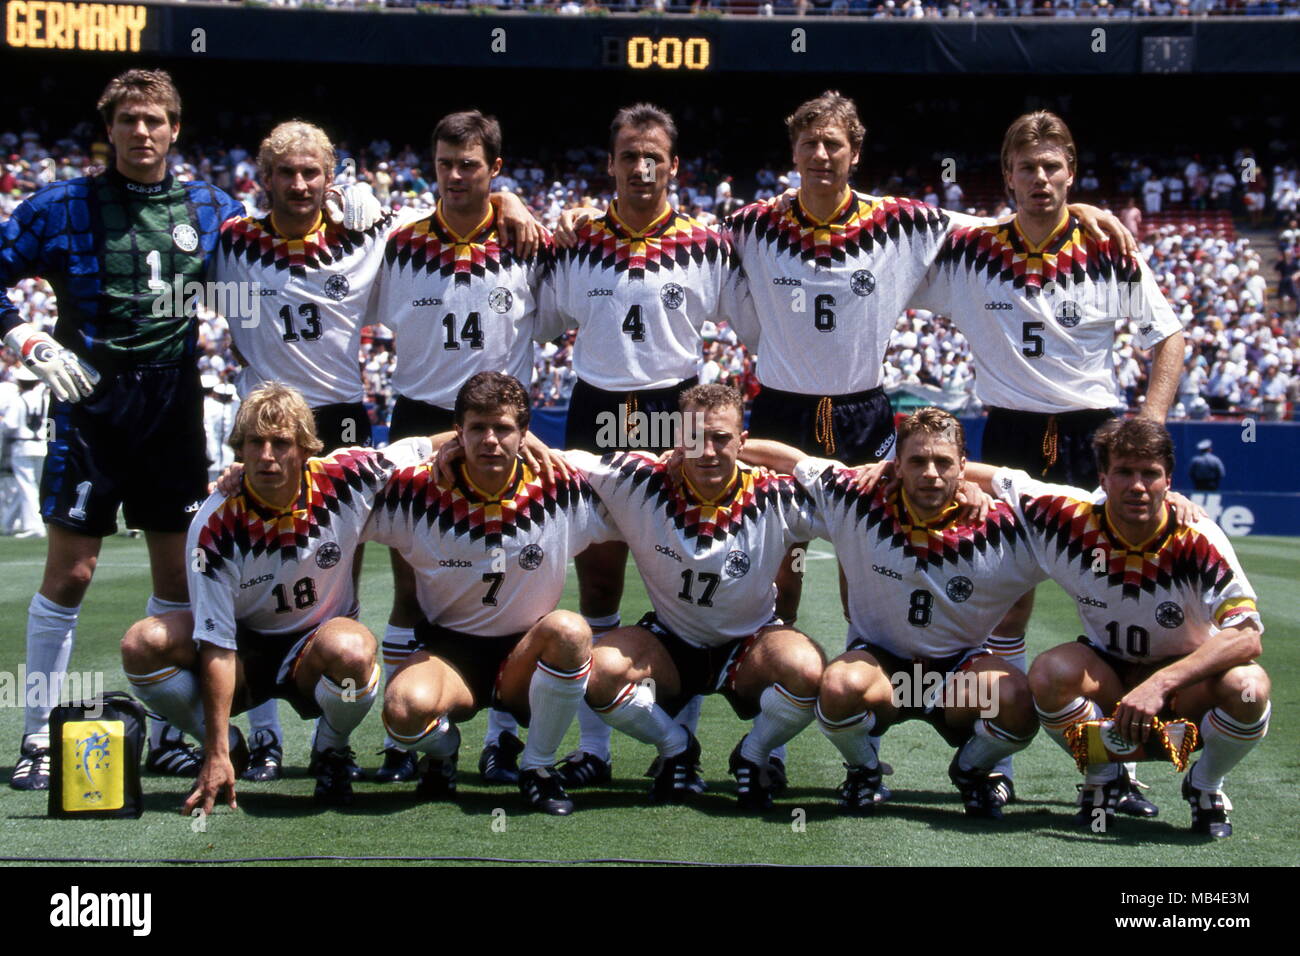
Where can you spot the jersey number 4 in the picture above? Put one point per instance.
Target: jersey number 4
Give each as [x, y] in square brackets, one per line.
[633, 325]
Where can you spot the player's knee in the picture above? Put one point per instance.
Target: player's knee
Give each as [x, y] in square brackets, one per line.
[568, 637]
[67, 585]
[409, 706]
[349, 651]
[609, 669]
[802, 668]
[1049, 674]
[144, 645]
[1244, 691]
[844, 687]
[1015, 704]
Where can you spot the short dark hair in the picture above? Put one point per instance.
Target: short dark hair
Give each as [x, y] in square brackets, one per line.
[1135, 438]
[1040, 128]
[708, 397]
[490, 392]
[467, 128]
[934, 422]
[639, 116]
[152, 86]
[830, 107]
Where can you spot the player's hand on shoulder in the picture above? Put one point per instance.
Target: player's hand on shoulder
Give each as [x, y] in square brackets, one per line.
[1101, 225]
[68, 378]
[545, 461]
[352, 206]
[672, 460]
[446, 458]
[231, 480]
[1186, 511]
[866, 477]
[781, 204]
[571, 220]
[516, 225]
[216, 774]
[975, 504]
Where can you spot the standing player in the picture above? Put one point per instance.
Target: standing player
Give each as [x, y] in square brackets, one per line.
[490, 550]
[459, 302]
[923, 592]
[1038, 299]
[122, 373]
[274, 597]
[709, 551]
[639, 283]
[1170, 623]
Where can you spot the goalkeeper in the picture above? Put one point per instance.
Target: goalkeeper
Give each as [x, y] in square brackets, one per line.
[127, 412]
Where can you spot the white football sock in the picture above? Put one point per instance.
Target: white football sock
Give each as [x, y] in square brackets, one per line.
[1055, 722]
[174, 693]
[399, 644]
[1227, 740]
[439, 738]
[689, 715]
[342, 709]
[553, 699]
[593, 733]
[851, 736]
[51, 630]
[499, 722]
[1012, 651]
[158, 730]
[156, 606]
[782, 716]
[988, 745]
[634, 712]
[266, 716]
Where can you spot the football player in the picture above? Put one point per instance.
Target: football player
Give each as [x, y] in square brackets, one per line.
[1171, 628]
[490, 550]
[1037, 298]
[708, 549]
[924, 590]
[639, 282]
[274, 598]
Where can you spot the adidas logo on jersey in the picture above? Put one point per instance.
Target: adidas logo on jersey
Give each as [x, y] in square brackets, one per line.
[261, 579]
[998, 306]
[887, 572]
[668, 551]
[784, 280]
[423, 302]
[455, 563]
[592, 293]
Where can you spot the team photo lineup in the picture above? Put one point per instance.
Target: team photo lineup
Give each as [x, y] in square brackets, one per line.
[727, 421]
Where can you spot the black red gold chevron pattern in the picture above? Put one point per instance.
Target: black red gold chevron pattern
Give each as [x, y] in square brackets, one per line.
[243, 524]
[757, 490]
[999, 250]
[428, 245]
[943, 542]
[1177, 556]
[421, 493]
[673, 242]
[862, 223]
[256, 241]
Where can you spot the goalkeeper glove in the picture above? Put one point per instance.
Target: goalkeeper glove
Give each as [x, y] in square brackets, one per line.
[354, 206]
[69, 378]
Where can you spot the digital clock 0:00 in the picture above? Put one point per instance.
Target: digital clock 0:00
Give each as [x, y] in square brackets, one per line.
[668, 53]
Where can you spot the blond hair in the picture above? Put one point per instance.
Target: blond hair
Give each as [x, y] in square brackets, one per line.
[830, 107]
[275, 409]
[934, 422]
[289, 137]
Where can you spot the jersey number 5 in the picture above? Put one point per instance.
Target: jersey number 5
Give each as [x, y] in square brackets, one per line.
[1033, 342]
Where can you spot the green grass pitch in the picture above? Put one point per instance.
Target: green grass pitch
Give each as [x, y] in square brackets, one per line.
[923, 825]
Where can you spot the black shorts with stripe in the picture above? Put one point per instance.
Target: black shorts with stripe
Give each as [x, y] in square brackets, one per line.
[703, 670]
[479, 661]
[342, 425]
[1052, 448]
[856, 428]
[599, 421]
[137, 442]
[918, 679]
[270, 664]
[416, 419]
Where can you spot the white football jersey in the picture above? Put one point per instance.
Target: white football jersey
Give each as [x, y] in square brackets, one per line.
[827, 294]
[709, 568]
[1041, 321]
[457, 305]
[1148, 602]
[284, 572]
[314, 293]
[488, 566]
[639, 299]
[921, 591]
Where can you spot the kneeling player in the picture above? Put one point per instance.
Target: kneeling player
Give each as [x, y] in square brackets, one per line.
[709, 552]
[273, 597]
[1171, 627]
[924, 593]
[490, 550]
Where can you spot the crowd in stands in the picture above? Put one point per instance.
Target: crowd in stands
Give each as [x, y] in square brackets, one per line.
[861, 8]
[1243, 339]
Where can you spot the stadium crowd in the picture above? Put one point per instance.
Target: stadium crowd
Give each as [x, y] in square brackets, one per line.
[1242, 345]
